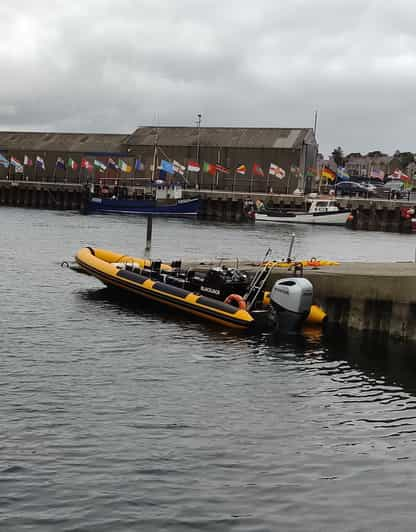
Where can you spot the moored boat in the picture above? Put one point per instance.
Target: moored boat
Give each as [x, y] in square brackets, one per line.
[163, 201]
[318, 211]
[216, 296]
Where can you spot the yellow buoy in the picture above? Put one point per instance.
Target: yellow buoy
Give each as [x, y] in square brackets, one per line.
[316, 316]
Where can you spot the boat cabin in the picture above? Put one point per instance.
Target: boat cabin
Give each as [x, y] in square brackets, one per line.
[321, 205]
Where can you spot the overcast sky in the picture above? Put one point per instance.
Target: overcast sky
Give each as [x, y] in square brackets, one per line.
[101, 66]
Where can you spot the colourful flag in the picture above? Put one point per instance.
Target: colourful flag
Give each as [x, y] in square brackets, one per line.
[179, 168]
[27, 161]
[3, 161]
[342, 174]
[101, 166]
[397, 174]
[112, 164]
[221, 169]
[193, 166]
[73, 165]
[139, 165]
[328, 173]
[60, 163]
[167, 167]
[86, 164]
[276, 171]
[14, 162]
[40, 162]
[242, 169]
[209, 168]
[376, 174]
[124, 167]
[258, 170]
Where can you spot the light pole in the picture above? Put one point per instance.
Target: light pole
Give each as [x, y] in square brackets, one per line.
[198, 125]
[198, 139]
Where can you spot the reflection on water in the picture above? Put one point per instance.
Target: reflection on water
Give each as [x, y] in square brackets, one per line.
[123, 416]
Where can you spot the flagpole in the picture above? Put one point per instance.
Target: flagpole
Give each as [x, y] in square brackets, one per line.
[79, 173]
[234, 179]
[54, 172]
[268, 182]
[152, 178]
[8, 170]
[134, 173]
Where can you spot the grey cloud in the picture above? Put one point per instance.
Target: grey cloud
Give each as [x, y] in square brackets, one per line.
[110, 66]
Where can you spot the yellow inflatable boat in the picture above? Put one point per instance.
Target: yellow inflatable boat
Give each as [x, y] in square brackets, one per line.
[123, 271]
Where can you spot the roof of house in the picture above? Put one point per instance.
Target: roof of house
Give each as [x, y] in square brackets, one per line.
[68, 142]
[232, 137]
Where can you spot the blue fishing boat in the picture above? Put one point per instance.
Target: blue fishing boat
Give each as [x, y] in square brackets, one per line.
[165, 201]
[163, 197]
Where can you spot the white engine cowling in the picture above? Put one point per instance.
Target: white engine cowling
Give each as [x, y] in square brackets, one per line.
[292, 300]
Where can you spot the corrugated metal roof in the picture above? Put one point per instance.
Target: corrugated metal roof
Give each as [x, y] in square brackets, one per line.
[68, 142]
[232, 137]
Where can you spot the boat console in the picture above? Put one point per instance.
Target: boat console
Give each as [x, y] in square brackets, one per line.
[218, 282]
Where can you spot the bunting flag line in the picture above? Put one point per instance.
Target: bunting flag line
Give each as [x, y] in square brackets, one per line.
[209, 168]
[328, 173]
[27, 161]
[242, 169]
[257, 170]
[73, 165]
[112, 164]
[40, 163]
[124, 167]
[193, 166]
[101, 166]
[60, 163]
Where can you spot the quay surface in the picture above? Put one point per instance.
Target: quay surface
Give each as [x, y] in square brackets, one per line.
[373, 297]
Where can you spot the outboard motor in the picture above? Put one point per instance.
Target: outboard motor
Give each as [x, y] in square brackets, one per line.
[291, 300]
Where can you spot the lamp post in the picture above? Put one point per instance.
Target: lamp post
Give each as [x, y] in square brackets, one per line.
[198, 125]
[198, 139]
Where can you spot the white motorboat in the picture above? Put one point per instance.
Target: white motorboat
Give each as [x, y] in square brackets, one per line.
[317, 211]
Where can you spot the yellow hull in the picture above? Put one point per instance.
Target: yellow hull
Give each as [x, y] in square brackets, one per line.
[103, 264]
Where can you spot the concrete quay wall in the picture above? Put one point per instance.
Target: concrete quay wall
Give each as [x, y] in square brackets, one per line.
[370, 297]
[38, 195]
[368, 214]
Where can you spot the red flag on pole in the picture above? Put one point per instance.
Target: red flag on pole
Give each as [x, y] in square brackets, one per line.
[258, 170]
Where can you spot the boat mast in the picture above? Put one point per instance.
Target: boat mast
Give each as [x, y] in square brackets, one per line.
[154, 161]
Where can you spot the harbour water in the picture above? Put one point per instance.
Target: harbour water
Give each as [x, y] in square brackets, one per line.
[118, 417]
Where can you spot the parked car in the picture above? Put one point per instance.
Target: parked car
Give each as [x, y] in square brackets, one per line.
[374, 187]
[395, 189]
[351, 188]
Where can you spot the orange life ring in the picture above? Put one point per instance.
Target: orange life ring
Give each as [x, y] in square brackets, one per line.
[314, 262]
[235, 298]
